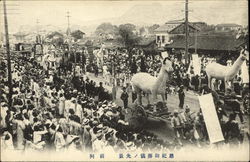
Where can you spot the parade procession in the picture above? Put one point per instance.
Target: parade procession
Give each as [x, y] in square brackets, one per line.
[161, 81]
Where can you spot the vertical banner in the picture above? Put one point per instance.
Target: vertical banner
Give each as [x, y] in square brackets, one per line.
[244, 73]
[196, 64]
[211, 118]
[164, 54]
[189, 68]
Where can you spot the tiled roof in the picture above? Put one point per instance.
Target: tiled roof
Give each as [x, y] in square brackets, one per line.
[169, 28]
[228, 25]
[208, 42]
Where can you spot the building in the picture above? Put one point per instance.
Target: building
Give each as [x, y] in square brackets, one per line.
[211, 45]
[162, 33]
[165, 32]
[228, 27]
[20, 37]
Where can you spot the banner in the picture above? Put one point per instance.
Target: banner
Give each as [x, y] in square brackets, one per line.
[211, 118]
[164, 54]
[196, 64]
[244, 73]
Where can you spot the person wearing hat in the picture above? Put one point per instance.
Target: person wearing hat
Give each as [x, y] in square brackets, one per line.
[59, 142]
[110, 144]
[236, 108]
[71, 142]
[220, 110]
[181, 95]
[86, 137]
[98, 144]
[177, 125]
[232, 131]
[124, 98]
[187, 120]
[100, 92]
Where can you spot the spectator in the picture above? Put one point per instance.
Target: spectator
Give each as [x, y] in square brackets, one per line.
[177, 125]
[181, 95]
[124, 98]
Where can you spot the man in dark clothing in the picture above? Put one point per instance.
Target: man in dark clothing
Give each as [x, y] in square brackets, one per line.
[232, 131]
[124, 97]
[133, 67]
[134, 96]
[187, 82]
[220, 111]
[196, 83]
[100, 92]
[236, 109]
[181, 97]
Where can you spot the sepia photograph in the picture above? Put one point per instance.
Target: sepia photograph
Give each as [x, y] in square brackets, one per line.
[124, 80]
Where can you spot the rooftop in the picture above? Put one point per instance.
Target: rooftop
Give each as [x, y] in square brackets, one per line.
[208, 42]
[228, 25]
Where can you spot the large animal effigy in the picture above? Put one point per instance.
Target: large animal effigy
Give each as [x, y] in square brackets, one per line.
[226, 73]
[144, 82]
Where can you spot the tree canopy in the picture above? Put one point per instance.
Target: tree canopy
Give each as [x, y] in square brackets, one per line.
[106, 28]
[127, 35]
[152, 28]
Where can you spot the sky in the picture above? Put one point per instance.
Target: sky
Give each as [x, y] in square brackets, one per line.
[54, 12]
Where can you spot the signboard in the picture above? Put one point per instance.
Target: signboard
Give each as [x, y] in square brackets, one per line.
[164, 54]
[211, 118]
[196, 64]
[244, 73]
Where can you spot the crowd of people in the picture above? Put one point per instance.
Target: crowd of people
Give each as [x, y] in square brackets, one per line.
[60, 111]
[49, 112]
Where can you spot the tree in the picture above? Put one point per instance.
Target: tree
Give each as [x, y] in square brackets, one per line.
[142, 30]
[77, 34]
[152, 28]
[106, 28]
[127, 36]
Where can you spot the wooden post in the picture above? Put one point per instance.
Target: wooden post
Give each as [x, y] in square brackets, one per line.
[8, 54]
[186, 33]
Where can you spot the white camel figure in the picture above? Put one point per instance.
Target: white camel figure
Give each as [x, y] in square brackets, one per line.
[221, 72]
[98, 53]
[150, 84]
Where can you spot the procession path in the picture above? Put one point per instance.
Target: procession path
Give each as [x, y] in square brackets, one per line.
[162, 129]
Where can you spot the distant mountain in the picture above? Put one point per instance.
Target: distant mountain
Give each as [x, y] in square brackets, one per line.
[143, 14]
[140, 15]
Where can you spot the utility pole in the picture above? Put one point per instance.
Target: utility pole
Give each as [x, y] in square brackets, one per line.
[68, 30]
[186, 33]
[8, 54]
[195, 41]
[37, 26]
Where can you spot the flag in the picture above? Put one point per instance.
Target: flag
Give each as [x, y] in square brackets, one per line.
[196, 64]
[244, 73]
[164, 54]
[211, 118]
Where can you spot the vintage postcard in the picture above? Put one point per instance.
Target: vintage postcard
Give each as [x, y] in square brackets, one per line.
[124, 80]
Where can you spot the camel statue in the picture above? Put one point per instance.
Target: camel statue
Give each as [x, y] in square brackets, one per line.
[220, 72]
[98, 53]
[150, 84]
